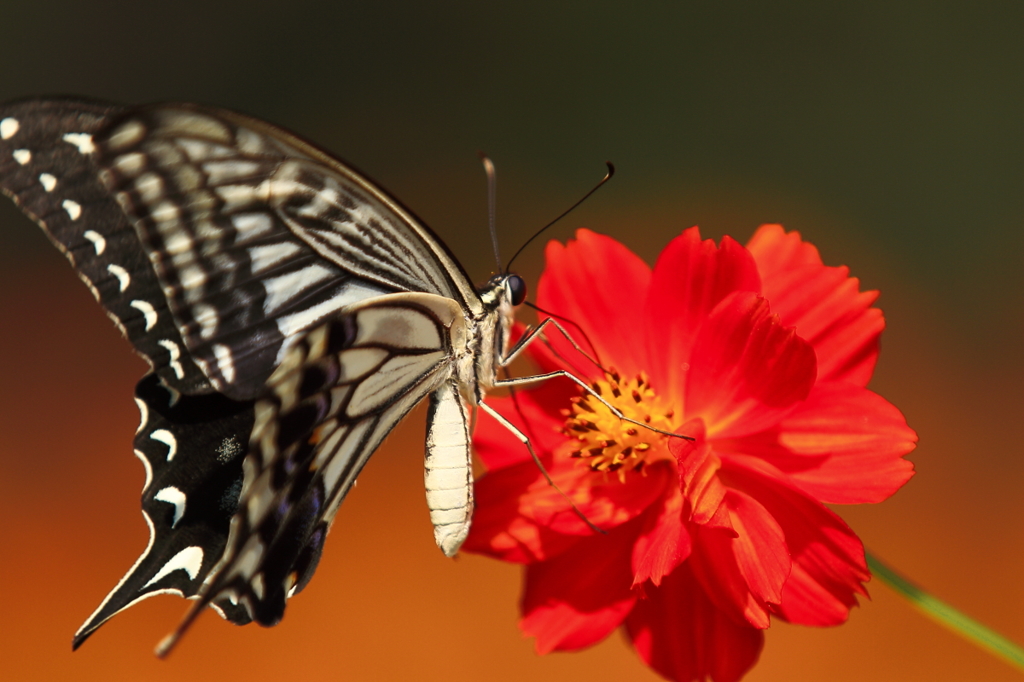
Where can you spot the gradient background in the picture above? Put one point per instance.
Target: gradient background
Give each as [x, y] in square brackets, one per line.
[889, 134]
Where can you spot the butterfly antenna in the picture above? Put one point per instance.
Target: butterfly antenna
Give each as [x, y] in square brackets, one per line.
[606, 178]
[492, 200]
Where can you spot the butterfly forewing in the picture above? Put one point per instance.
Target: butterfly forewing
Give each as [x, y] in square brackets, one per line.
[211, 202]
[47, 148]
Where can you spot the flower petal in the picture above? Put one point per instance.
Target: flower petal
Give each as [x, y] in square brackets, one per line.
[596, 283]
[843, 445]
[678, 632]
[500, 528]
[690, 278]
[824, 304]
[580, 597]
[743, 575]
[663, 544]
[747, 370]
[520, 517]
[828, 558]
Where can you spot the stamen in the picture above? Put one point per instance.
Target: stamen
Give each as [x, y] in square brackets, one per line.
[607, 442]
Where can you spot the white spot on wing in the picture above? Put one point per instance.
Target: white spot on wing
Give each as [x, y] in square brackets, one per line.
[81, 140]
[131, 164]
[189, 559]
[207, 317]
[98, 242]
[221, 172]
[146, 309]
[127, 134]
[175, 352]
[73, 208]
[47, 181]
[173, 496]
[9, 128]
[251, 226]
[143, 415]
[22, 156]
[123, 278]
[225, 361]
[149, 474]
[236, 197]
[167, 438]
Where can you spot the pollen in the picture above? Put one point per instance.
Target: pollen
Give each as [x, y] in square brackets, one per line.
[607, 442]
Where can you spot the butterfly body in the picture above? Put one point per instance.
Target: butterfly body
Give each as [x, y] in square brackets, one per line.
[292, 313]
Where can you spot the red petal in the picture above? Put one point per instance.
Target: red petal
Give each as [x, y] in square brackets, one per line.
[578, 598]
[663, 544]
[843, 445]
[698, 468]
[690, 278]
[828, 558]
[598, 284]
[824, 304]
[678, 631]
[519, 517]
[747, 370]
[504, 523]
[743, 575]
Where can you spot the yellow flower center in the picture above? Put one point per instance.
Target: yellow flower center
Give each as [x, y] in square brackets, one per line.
[608, 443]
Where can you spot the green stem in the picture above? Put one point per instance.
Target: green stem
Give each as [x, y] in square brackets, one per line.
[948, 617]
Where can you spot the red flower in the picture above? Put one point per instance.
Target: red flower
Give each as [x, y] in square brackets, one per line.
[704, 540]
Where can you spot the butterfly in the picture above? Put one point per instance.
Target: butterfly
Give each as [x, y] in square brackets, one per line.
[292, 313]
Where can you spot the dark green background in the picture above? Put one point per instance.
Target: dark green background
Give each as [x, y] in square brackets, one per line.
[890, 134]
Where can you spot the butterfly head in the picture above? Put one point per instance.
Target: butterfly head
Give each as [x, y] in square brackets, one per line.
[515, 289]
[505, 292]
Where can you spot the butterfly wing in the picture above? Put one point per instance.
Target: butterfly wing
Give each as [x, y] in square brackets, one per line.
[339, 391]
[256, 235]
[216, 242]
[189, 496]
[46, 152]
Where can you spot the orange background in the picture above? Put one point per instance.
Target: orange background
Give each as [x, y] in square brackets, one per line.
[889, 136]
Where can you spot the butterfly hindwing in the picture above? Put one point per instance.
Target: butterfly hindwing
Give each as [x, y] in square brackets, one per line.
[339, 391]
[47, 152]
[192, 448]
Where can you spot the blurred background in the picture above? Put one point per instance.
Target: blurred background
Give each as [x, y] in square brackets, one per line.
[891, 135]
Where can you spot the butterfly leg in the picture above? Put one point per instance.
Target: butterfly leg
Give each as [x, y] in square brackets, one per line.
[525, 440]
[532, 334]
[537, 378]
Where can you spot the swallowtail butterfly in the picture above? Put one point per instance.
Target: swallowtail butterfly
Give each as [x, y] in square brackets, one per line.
[292, 313]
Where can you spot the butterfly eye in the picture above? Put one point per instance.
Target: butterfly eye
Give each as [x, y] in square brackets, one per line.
[516, 289]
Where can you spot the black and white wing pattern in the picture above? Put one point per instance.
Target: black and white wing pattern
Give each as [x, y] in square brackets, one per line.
[46, 152]
[339, 391]
[292, 313]
[189, 496]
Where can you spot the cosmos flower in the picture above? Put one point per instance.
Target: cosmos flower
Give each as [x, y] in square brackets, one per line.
[761, 354]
